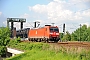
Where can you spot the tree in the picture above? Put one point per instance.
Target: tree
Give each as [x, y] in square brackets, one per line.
[81, 34]
[61, 35]
[2, 50]
[4, 39]
[4, 36]
[88, 34]
[67, 36]
[73, 37]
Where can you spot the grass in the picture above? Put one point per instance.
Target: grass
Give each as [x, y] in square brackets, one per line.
[46, 55]
[41, 51]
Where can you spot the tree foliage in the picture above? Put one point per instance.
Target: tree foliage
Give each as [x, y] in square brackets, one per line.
[67, 36]
[2, 50]
[4, 39]
[4, 36]
[81, 34]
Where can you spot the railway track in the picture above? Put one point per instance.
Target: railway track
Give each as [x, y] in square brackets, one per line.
[69, 46]
[77, 46]
[74, 43]
[83, 44]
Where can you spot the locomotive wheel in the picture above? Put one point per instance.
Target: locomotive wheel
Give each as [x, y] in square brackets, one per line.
[43, 40]
[29, 39]
[55, 41]
[46, 40]
[38, 40]
[33, 40]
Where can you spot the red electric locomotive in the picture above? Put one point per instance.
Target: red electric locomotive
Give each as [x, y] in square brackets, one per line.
[46, 33]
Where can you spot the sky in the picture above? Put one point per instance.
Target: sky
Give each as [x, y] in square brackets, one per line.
[71, 12]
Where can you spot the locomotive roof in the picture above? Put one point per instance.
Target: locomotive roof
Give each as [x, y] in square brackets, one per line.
[44, 27]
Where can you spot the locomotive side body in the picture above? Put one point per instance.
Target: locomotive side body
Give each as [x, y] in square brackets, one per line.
[37, 34]
[47, 33]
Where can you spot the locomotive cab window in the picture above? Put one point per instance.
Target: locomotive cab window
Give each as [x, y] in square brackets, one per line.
[54, 29]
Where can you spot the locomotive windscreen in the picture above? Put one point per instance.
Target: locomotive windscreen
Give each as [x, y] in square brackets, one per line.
[54, 29]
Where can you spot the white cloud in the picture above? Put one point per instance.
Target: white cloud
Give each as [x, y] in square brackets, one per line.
[39, 8]
[61, 11]
[78, 2]
[86, 13]
[55, 11]
[5, 23]
[2, 19]
[0, 13]
[25, 15]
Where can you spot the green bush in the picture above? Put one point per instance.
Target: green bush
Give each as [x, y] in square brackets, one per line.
[2, 50]
[27, 46]
[18, 40]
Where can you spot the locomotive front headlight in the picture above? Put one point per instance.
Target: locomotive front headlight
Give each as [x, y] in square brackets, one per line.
[51, 33]
[57, 33]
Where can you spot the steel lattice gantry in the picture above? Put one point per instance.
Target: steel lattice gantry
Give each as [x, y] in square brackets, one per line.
[12, 20]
